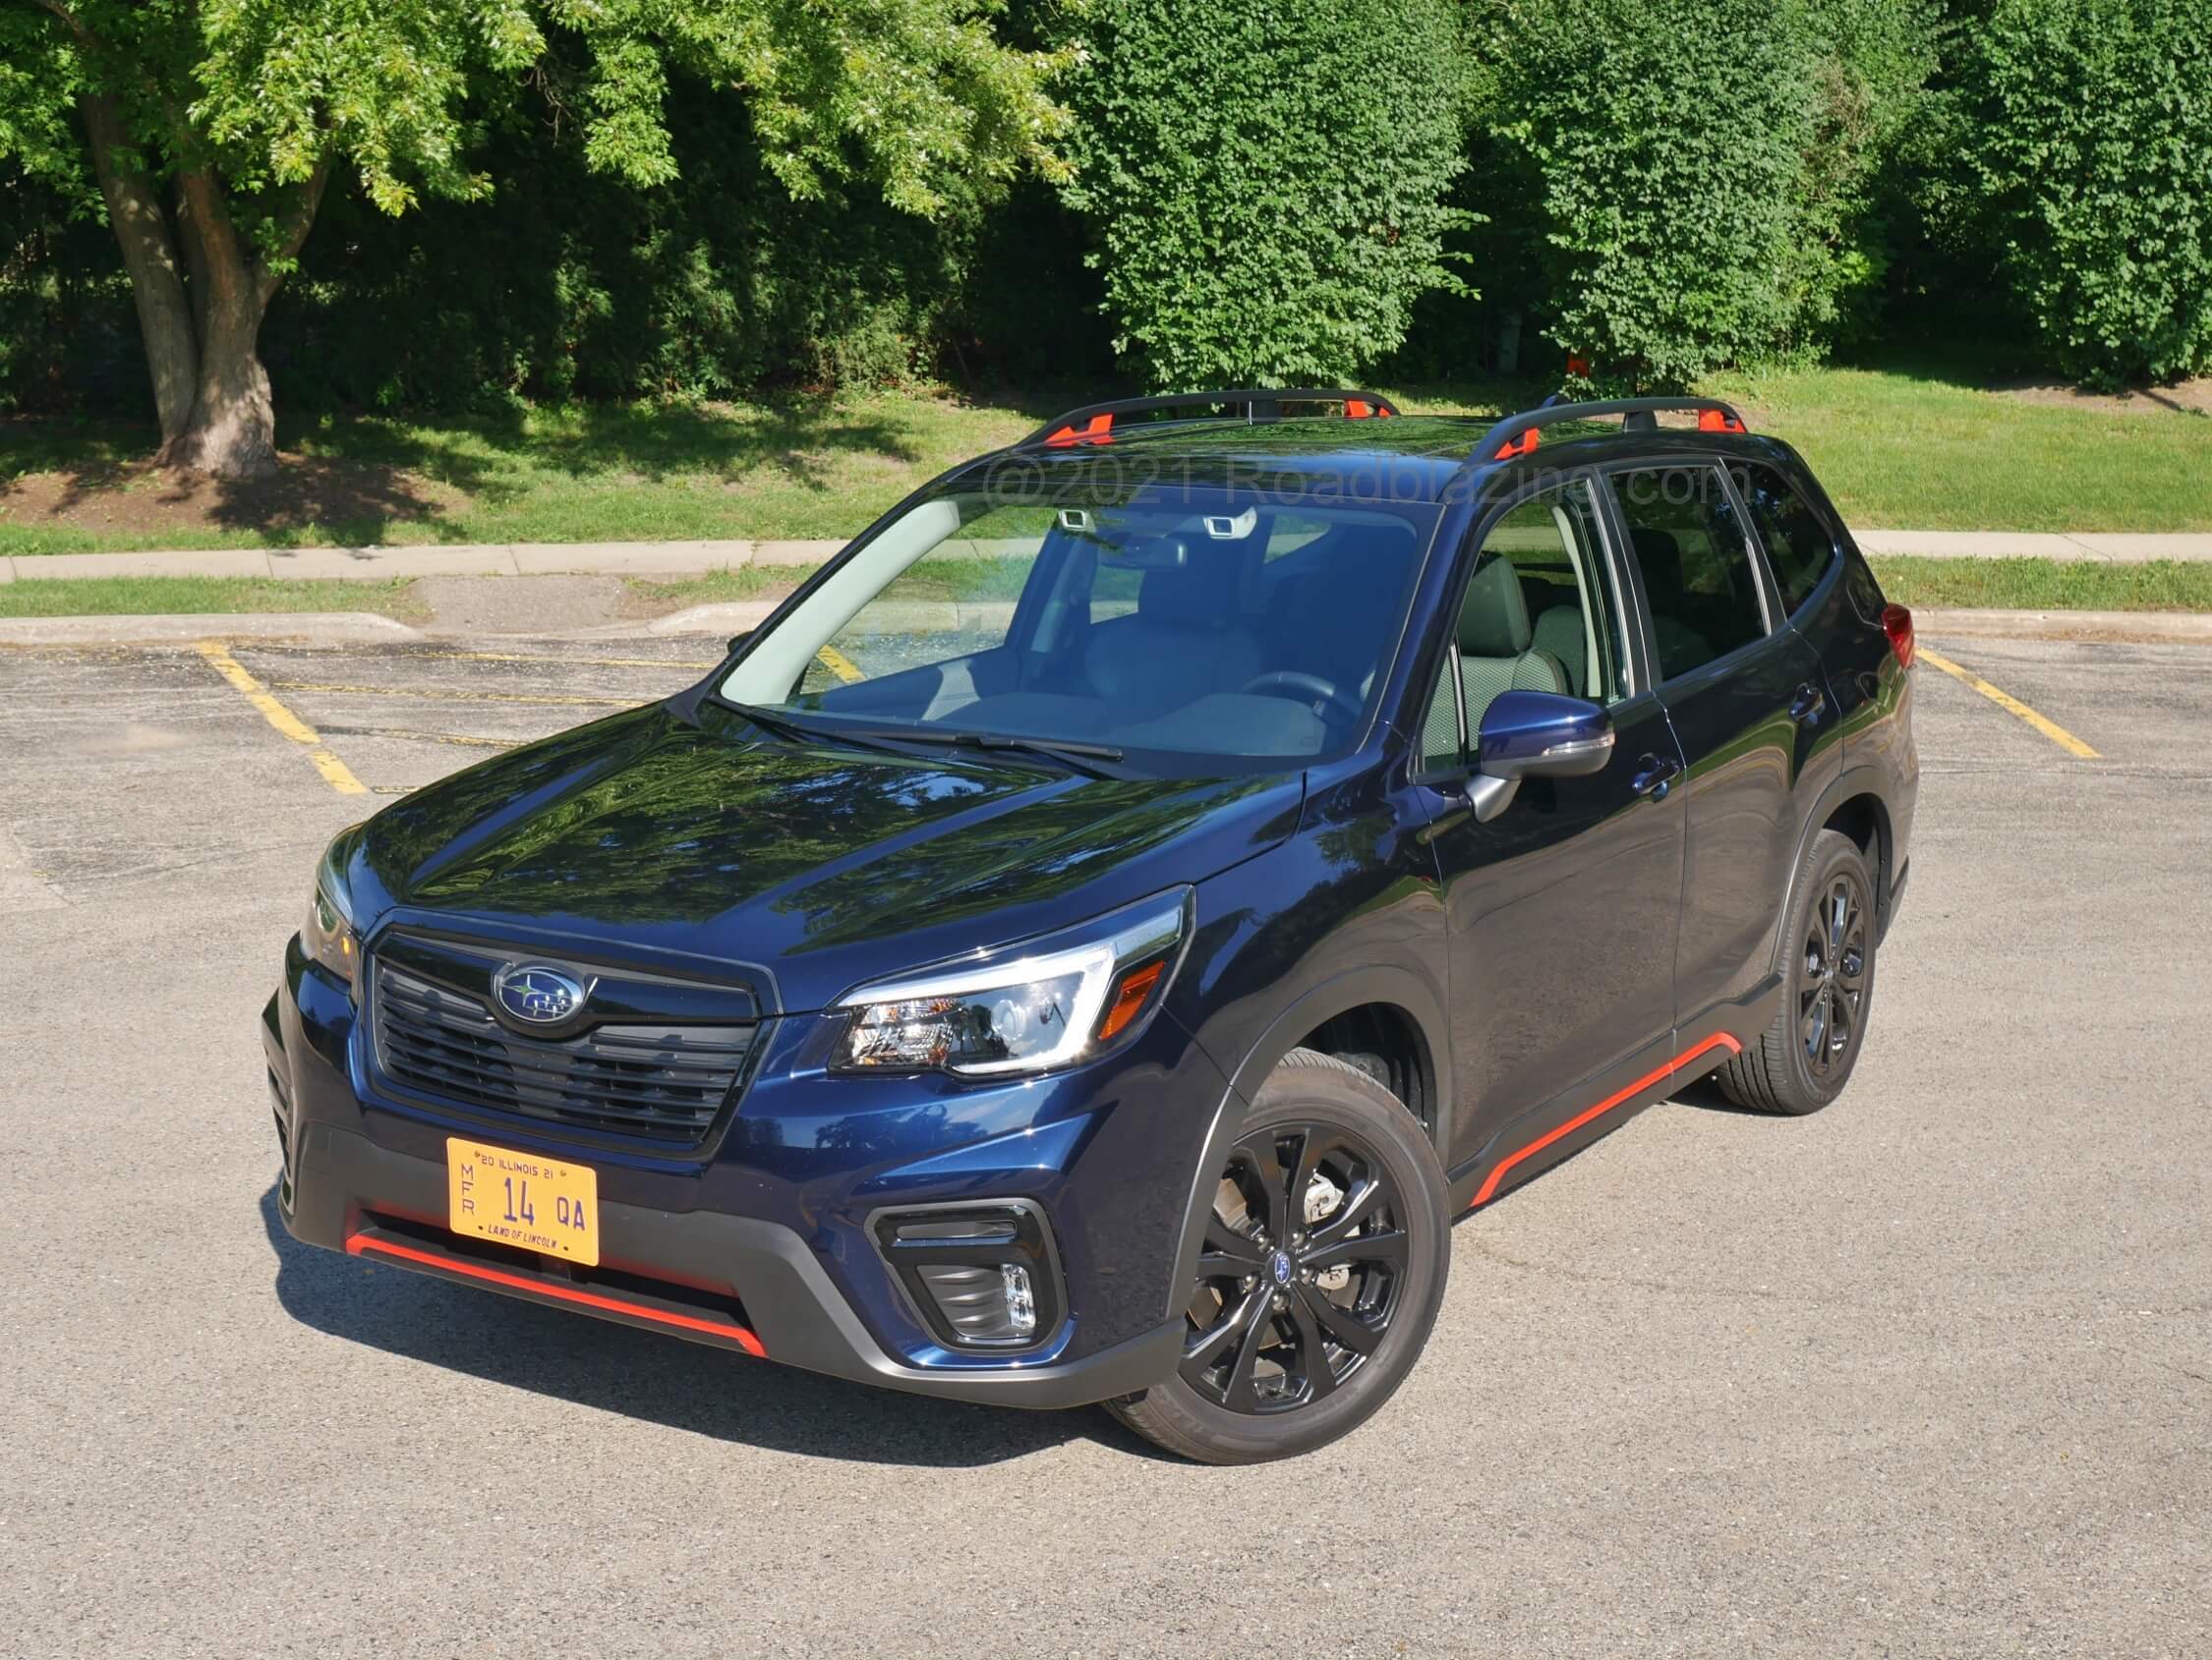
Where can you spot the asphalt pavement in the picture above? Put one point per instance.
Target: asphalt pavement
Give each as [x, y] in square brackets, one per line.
[1928, 1373]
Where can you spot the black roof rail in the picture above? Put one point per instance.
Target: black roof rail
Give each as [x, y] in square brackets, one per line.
[1094, 423]
[1516, 434]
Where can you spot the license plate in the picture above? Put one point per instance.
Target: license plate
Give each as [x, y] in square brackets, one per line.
[522, 1199]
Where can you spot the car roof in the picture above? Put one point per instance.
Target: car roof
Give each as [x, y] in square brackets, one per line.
[1406, 458]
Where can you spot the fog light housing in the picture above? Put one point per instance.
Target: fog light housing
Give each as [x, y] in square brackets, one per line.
[980, 1274]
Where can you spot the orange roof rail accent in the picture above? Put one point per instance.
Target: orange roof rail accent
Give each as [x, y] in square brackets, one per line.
[1525, 444]
[1098, 430]
[1719, 421]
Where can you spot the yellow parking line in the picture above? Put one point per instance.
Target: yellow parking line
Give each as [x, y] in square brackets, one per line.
[447, 694]
[841, 665]
[409, 735]
[334, 772]
[2050, 730]
[566, 663]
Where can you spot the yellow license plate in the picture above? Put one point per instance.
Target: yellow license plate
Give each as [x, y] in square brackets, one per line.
[522, 1199]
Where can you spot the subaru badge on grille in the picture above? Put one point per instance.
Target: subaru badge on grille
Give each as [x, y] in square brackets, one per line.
[534, 991]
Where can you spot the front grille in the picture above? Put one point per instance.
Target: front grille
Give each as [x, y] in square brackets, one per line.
[663, 1081]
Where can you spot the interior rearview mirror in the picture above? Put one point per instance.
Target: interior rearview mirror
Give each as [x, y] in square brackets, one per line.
[1534, 736]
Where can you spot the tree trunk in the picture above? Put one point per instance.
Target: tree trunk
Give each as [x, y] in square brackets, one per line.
[172, 353]
[231, 430]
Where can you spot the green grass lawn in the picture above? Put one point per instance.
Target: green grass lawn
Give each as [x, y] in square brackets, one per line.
[2047, 585]
[1905, 449]
[179, 595]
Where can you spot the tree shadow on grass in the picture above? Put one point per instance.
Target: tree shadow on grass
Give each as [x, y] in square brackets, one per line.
[495, 455]
[650, 1377]
[101, 479]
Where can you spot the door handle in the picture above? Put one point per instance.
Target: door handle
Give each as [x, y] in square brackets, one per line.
[1805, 708]
[1656, 775]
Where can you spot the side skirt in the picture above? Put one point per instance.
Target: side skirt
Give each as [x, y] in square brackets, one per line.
[1596, 1108]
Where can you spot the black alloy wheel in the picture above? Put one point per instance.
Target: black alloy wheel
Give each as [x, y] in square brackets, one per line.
[1320, 1266]
[1804, 1058]
[1832, 979]
[1302, 1269]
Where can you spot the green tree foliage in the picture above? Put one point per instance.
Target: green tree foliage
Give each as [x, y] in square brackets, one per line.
[1265, 180]
[1683, 184]
[212, 127]
[2086, 134]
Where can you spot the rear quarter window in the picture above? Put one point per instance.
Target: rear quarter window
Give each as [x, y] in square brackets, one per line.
[1799, 546]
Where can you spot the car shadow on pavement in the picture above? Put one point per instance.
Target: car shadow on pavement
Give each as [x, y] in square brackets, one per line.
[659, 1379]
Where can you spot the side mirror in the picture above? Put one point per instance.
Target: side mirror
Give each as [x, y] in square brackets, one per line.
[738, 640]
[1534, 736]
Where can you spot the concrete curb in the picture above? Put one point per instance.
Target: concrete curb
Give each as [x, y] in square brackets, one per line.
[334, 626]
[738, 615]
[2174, 627]
[693, 558]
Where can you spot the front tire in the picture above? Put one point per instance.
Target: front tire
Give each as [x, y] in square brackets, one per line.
[1805, 1058]
[1320, 1277]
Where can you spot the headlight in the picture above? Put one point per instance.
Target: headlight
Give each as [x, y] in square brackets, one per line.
[1045, 1009]
[327, 935]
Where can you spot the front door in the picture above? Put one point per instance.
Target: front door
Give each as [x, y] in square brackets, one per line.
[1562, 909]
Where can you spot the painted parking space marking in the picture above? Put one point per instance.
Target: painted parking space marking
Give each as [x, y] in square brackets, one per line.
[407, 734]
[447, 694]
[334, 772]
[841, 665]
[2005, 700]
[441, 654]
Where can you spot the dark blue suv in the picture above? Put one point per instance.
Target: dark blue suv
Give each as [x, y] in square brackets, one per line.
[1093, 938]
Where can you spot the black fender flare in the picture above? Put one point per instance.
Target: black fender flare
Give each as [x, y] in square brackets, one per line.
[1863, 779]
[1374, 982]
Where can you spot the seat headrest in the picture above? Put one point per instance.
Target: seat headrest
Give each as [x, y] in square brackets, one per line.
[1199, 592]
[1493, 618]
[1660, 553]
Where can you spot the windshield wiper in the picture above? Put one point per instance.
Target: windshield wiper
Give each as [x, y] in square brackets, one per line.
[1077, 757]
[797, 731]
[780, 725]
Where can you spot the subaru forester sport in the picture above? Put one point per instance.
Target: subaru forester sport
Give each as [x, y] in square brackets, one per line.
[1092, 939]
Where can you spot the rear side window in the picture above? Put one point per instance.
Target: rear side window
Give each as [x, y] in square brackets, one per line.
[1799, 548]
[1696, 562]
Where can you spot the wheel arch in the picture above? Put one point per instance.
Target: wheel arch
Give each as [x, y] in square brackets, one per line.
[1856, 805]
[1376, 986]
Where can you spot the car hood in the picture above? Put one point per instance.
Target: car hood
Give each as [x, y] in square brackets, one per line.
[693, 837]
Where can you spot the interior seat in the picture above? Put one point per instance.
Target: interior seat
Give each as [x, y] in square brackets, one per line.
[1184, 641]
[1559, 634]
[1496, 645]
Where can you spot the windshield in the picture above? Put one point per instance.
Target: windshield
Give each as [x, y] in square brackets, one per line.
[1200, 623]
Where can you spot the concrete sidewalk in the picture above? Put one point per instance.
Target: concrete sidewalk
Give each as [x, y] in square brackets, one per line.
[690, 559]
[383, 564]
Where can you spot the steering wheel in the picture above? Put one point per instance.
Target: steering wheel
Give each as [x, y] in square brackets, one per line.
[1316, 691]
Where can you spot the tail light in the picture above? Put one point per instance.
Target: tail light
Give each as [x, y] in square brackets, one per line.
[1897, 624]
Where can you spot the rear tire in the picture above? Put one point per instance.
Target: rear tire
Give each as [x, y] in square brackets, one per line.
[1320, 1277]
[1804, 1060]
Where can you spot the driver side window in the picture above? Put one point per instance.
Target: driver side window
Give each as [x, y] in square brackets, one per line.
[1538, 614]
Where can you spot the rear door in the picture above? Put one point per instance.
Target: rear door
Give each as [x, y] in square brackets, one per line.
[1750, 707]
[1562, 910]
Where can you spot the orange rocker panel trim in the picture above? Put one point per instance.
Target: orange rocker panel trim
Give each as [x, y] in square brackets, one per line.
[1657, 1075]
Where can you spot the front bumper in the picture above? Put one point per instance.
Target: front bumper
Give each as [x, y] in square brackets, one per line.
[757, 1249]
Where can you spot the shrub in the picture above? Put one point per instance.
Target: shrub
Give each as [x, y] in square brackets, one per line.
[2088, 132]
[1265, 183]
[1686, 184]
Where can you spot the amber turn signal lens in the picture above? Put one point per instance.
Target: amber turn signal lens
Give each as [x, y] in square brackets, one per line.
[1130, 997]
